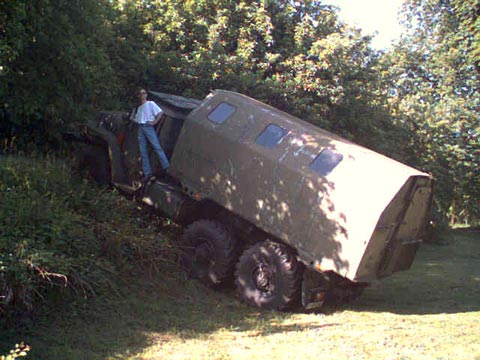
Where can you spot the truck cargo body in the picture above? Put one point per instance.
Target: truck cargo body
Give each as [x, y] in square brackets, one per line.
[344, 208]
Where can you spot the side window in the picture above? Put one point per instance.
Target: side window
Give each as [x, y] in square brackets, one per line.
[326, 161]
[271, 136]
[221, 113]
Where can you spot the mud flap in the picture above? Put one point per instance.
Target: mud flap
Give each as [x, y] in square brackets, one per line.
[314, 289]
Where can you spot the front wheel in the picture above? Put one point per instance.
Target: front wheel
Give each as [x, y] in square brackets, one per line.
[269, 276]
[95, 163]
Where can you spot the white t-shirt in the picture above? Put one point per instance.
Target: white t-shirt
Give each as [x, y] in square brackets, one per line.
[147, 112]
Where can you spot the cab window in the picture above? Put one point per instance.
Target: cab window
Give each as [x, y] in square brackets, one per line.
[326, 161]
[271, 136]
[221, 113]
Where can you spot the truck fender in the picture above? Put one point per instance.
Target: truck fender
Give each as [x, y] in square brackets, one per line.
[110, 143]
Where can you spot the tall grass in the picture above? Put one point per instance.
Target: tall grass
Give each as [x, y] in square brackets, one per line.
[60, 234]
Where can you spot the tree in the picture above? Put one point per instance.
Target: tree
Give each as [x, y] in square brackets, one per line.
[436, 95]
[295, 56]
[57, 70]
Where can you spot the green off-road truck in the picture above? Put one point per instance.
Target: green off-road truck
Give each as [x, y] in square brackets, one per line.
[290, 213]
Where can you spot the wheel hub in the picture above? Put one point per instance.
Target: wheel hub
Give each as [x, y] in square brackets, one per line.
[203, 253]
[263, 278]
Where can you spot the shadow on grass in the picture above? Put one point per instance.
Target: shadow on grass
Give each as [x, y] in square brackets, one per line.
[117, 327]
[443, 279]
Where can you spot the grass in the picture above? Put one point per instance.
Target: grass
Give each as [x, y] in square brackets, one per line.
[431, 311]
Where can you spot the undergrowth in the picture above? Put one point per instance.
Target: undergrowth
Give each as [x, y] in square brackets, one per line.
[60, 234]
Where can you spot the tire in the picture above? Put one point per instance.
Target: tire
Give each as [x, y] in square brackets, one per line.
[209, 252]
[94, 162]
[269, 276]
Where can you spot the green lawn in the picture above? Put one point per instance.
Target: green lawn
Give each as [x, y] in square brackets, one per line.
[431, 311]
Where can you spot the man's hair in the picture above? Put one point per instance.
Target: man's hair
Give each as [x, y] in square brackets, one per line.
[140, 90]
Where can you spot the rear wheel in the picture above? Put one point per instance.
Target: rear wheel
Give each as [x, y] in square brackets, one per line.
[269, 276]
[209, 252]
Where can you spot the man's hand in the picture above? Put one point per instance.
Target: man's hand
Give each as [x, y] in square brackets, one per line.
[160, 116]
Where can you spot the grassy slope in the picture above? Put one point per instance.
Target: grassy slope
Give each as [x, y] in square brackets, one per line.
[429, 312]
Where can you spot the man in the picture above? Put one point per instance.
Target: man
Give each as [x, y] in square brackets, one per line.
[146, 116]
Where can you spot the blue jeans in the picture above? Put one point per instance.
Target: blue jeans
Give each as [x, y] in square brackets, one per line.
[147, 132]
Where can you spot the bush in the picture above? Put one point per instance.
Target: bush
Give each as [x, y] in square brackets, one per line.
[60, 232]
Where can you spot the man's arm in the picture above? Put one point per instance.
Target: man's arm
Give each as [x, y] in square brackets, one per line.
[158, 113]
[158, 117]
[133, 115]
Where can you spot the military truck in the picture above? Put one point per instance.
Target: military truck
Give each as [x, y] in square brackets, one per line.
[289, 213]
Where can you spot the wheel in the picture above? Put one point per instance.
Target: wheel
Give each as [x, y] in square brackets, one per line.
[95, 163]
[209, 252]
[269, 276]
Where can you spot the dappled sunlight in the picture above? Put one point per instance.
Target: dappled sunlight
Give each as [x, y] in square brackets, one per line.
[286, 208]
[346, 334]
[320, 194]
[178, 318]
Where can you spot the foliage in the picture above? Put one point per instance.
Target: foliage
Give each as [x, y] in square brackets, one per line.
[295, 56]
[21, 350]
[55, 67]
[12, 31]
[435, 94]
[44, 243]
[57, 233]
